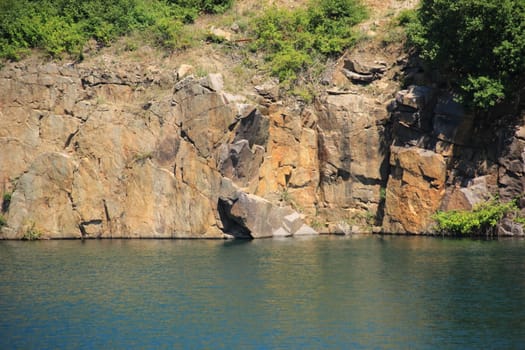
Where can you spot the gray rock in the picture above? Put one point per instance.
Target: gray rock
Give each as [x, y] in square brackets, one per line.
[269, 90]
[365, 68]
[416, 97]
[183, 71]
[240, 163]
[221, 34]
[507, 227]
[281, 232]
[477, 191]
[357, 77]
[214, 82]
[248, 216]
[245, 109]
[305, 230]
[293, 222]
[450, 123]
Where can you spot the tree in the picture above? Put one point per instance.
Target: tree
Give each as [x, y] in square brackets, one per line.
[478, 44]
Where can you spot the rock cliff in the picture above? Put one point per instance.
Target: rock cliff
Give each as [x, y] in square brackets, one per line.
[140, 148]
[90, 152]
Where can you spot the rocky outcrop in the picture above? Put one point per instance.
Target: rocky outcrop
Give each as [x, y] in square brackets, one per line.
[441, 159]
[92, 152]
[415, 189]
[249, 216]
[128, 150]
[352, 149]
[363, 72]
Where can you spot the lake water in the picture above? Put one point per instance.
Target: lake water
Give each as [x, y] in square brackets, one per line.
[318, 293]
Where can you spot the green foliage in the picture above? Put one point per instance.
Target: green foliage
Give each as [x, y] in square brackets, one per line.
[407, 17]
[304, 94]
[484, 91]
[290, 39]
[209, 6]
[64, 26]
[480, 221]
[3, 221]
[382, 193]
[285, 196]
[31, 234]
[317, 224]
[480, 44]
[6, 201]
[142, 157]
[520, 220]
[166, 33]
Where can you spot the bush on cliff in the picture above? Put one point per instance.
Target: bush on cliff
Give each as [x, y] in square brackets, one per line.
[292, 39]
[478, 44]
[209, 6]
[481, 220]
[64, 26]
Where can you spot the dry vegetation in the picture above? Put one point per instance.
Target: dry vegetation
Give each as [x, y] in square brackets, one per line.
[380, 40]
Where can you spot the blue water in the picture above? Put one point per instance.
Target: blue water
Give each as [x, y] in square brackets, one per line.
[327, 292]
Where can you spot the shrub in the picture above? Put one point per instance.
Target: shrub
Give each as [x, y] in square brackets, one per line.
[3, 221]
[407, 17]
[292, 39]
[63, 26]
[6, 202]
[481, 220]
[31, 234]
[479, 44]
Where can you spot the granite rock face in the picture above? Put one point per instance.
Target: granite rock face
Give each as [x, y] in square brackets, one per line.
[443, 158]
[416, 187]
[126, 152]
[129, 150]
[353, 147]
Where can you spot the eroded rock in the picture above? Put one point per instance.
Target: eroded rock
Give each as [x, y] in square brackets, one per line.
[415, 188]
[360, 71]
[250, 216]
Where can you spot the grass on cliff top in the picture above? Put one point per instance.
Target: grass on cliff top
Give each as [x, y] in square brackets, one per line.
[292, 42]
[64, 26]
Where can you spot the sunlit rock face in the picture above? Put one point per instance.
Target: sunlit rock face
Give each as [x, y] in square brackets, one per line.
[416, 187]
[131, 150]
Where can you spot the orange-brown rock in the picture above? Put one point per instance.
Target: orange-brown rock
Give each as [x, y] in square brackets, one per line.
[415, 189]
[118, 152]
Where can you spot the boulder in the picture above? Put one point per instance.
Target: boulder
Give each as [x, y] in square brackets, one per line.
[184, 70]
[269, 90]
[221, 34]
[361, 67]
[415, 97]
[507, 227]
[360, 71]
[359, 78]
[249, 216]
